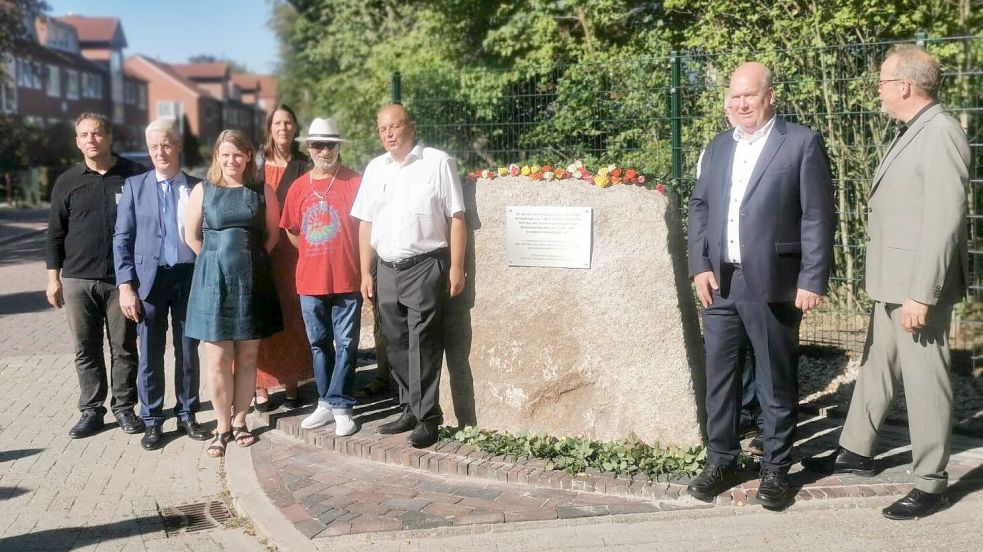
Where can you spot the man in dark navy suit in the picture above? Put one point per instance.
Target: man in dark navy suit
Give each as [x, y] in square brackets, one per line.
[154, 266]
[761, 225]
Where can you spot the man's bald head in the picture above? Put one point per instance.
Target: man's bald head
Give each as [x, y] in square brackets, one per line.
[397, 130]
[752, 96]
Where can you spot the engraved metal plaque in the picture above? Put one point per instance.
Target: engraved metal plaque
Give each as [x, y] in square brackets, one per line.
[548, 236]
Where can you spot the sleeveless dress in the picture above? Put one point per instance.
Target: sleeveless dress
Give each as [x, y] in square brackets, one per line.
[233, 297]
[285, 358]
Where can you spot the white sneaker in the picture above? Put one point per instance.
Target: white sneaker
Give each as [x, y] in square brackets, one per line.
[321, 416]
[344, 425]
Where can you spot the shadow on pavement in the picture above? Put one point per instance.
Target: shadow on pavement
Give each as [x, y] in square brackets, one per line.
[73, 538]
[6, 493]
[23, 302]
[28, 249]
[17, 454]
[969, 483]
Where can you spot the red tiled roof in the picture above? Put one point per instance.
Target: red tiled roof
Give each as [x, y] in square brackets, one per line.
[202, 70]
[167, 70]
[267, 86]
[94, 29]
[246, 81]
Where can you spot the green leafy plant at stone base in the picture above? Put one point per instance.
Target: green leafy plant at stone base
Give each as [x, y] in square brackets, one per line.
[628, 456]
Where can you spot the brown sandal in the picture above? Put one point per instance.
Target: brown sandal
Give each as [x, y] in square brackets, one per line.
[217, 447]
[243, 437]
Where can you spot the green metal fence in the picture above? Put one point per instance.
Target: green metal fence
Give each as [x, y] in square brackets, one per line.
[657, 113]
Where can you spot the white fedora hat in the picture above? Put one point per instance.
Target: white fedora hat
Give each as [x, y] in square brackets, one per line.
[323, 130]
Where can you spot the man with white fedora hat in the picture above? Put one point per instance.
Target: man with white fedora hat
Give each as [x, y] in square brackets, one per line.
[317, 221]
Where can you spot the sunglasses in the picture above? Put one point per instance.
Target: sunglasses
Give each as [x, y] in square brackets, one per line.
[322, 145]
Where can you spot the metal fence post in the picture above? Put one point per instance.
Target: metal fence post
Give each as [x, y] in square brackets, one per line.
[397, 88]
[676, 121]
[920, 38]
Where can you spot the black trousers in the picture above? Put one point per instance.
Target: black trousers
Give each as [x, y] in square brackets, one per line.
[773, 331]
[411, 303]
[93, 310]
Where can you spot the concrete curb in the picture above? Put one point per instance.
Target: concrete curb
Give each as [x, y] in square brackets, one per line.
[251, 502]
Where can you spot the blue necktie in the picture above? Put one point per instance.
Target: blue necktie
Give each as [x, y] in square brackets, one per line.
[170, 224]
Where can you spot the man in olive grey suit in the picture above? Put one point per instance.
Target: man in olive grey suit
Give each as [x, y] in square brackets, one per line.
[916, 271]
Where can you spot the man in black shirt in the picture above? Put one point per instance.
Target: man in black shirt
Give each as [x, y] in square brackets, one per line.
[81, 275]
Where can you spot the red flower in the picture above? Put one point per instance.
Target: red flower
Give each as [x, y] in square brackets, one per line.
[661, 188]
[536, 176]
[616, 173]
[630, 175]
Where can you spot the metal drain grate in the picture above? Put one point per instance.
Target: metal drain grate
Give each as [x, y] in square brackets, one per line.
[195, 517]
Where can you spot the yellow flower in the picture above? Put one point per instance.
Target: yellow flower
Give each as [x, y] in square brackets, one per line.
[503, 171]
[526, 170]
[602, 181]
[603, 171]
[534, 168]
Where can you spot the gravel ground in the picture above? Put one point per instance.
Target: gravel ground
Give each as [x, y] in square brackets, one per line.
[826, 380]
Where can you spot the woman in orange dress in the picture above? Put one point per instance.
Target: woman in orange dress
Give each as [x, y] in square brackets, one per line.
[285, 358]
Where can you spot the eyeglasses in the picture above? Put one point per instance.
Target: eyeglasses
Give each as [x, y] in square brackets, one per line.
[322, 145]
[881, 83]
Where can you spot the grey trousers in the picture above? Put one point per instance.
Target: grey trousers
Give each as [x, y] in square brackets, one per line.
[411, 304]
[92, 307]
[921, 361]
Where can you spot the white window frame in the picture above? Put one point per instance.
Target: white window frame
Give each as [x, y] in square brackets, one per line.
[54, 81]
[72, 84]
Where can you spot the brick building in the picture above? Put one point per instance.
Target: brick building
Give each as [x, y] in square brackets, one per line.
[61, 67]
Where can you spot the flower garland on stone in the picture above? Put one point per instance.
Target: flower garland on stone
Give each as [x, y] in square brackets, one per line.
[604, 177]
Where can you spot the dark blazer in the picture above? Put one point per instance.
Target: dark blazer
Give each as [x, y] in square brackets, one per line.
[139, 231]
[787, 217]
[295, 168]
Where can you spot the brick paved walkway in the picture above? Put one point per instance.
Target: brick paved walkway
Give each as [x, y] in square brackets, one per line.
[100, 493]
[328, 486]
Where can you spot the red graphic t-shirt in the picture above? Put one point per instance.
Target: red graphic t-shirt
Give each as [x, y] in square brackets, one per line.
[318, 213]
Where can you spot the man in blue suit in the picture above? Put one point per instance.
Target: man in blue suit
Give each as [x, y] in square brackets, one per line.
[154, 266]
[761, 225]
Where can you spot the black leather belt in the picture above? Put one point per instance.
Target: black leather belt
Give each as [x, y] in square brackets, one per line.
[734, 266]
[182, 266]
[410, 262]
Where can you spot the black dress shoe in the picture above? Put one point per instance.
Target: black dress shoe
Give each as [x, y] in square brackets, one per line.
[843, 462]
[916, 504]
[292, 402]
[265, 406]
[89, 424]
[153, 439]
[194, 430]
[774, 492]
[129, 422]
[404, 423]
[424, 434]
[756, 447]
[714, 480]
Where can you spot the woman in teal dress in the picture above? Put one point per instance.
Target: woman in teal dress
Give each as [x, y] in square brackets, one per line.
[233, 302]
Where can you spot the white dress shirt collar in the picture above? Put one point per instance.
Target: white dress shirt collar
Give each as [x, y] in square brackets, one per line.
[759, 134]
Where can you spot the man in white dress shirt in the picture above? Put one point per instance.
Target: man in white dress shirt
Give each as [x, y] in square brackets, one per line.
[411, 210]
[761, 228]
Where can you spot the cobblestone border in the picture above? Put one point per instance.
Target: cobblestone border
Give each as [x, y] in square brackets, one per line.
[461, 460]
